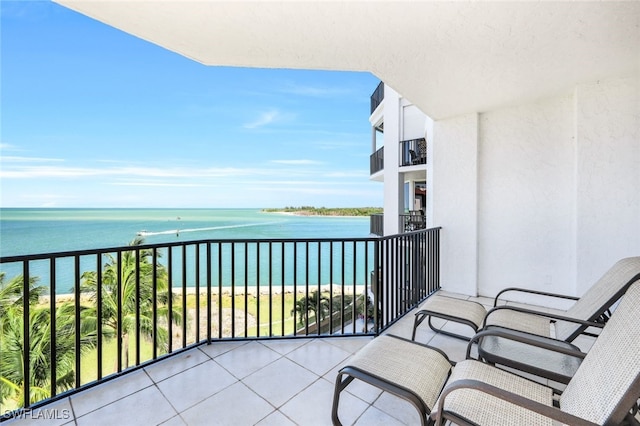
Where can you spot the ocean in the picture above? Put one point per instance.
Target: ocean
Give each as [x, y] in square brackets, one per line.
[37, 231]
[41, 230]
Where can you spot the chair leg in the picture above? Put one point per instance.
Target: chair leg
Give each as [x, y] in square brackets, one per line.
[339, 387]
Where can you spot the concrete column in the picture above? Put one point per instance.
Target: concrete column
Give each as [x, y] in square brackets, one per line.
[393, 181]
[455, 201]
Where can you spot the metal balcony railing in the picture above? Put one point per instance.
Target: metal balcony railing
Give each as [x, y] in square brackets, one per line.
[413, 152]
[376, 224]
[88, 316]
[377, 97]
[413, 221]
[376, 161]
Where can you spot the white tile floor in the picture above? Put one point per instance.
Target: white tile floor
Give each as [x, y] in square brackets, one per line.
[278, 382]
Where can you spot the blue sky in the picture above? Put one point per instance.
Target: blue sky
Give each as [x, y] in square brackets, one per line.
[94, 117]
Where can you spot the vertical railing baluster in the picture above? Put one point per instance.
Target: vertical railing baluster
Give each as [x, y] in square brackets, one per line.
[233, 290]
[138, 325]
[377, 293]
[119, 311]
[388, 281]
[219, 290]
[342, 290]
[209, 302]
[366, 288]
[270, 281]
[78, 330]
[246, 289]
[306, 286]
[282, 279]
[170, 298]
[26, 328]
[354, 313]
[154, 303]
[331, 287]
[197, 284]
[318, 304]
[99, 312]
[53, 331]
[257, 290]
[295, 287]
[184, 295]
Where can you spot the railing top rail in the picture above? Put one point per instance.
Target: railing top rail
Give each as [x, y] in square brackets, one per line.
[404, 234]
[70, 253]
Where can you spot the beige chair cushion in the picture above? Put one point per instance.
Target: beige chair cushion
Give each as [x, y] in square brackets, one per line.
[485, 409]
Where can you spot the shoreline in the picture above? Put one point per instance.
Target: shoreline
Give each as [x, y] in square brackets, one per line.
[240, 291]
[307, 214]
[325, 211]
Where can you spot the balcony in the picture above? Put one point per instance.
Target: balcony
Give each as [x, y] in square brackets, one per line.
[240, 315]
[413, 152]
[232, 382]
[414, 221]
[376, 224]
[376, 161]
[377, 96]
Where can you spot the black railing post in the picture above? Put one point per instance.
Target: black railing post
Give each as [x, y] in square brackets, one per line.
[119, 312]
[26, 325]
[53, 334]
[78, 332]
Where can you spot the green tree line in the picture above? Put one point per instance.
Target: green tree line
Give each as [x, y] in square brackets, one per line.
[327, 211]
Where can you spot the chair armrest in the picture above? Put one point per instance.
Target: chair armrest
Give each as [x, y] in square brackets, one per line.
[522, 337]
[545, 410]
[543, 314]
[540, 293]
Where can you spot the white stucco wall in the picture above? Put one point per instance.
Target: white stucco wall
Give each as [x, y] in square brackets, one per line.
[393, 182]
[608, 175]
[413, 122]
[455, 200]
[526, 182]
[544, 195]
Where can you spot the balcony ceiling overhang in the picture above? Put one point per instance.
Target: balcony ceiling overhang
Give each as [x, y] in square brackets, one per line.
[449, 58]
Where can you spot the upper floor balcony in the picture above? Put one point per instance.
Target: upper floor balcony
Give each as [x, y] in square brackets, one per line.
[413, 152]
[376, 161]
[377, 97]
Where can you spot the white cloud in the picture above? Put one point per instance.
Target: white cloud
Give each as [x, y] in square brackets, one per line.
[264, 119]
[16, 159]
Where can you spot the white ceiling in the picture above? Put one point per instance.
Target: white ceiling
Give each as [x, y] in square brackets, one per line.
[449, 58]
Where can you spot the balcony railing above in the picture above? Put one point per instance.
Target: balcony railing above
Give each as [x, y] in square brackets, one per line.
[376, 161]
[414, 221]
[377, 97]
[413, 152]
[376, 224]
[89, 316]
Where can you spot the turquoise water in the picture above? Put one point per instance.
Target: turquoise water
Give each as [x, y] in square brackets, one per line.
[32, 231]
[35, 231]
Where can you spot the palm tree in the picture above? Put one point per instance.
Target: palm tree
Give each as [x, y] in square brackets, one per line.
[127, 321]
[12, 381]
[316, 303]
[11, 294]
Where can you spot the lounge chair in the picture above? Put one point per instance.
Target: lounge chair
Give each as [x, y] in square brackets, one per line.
[603, 391]
[592, 307]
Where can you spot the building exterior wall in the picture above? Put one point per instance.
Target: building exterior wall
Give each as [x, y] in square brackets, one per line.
[402, 121]
[393, 182]
[455, 200]
[544, 195]
[608, 175]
